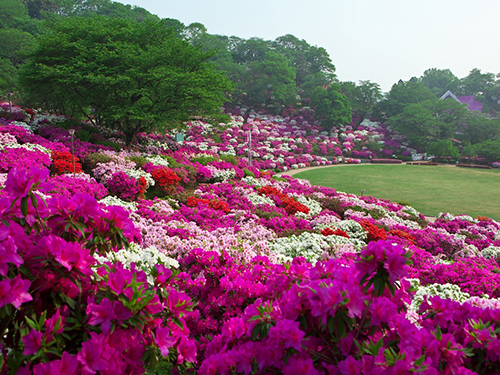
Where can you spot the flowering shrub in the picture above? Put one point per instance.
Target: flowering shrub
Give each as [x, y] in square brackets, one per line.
[253, 273]
[290, 205]
[21, 158]
[68, 186]
[125, 187]
[165, 178]
[63, 163]
[214, 203]
[374, 233]
[62, 312]
[336, 232]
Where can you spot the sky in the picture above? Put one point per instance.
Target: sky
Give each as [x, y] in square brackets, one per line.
[382, 41]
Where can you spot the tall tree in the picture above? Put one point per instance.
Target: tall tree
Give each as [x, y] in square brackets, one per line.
[307, 60]
[129, 76]
[429, 121]
[401, 95]
[439, 81]
[362, 96]
[331, 107]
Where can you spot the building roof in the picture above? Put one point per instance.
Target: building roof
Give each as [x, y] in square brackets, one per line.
[471, 103]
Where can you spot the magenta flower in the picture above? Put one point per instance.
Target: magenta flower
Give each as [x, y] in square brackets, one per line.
[8, 254]
[94, 355]
[120, 311]
[164, 340]
[289, 333]
[67, 365]
[14, 291]
[32, 342]
[300, 366]
[21, 181]
[350, 366]
[325, 301]
[101, 314]
[234, 328]
[187, 350]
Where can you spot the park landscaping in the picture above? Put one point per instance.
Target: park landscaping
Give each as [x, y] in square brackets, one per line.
[184, 258]
[430, 189]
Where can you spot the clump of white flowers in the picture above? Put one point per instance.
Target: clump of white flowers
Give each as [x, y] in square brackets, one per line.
[138, 173]
[314, 207]
[157, 160]
[313, 246]
[491, 252]
[445, 291]
[258, 199]
[144, 259]
[28, 146]
[114, 201]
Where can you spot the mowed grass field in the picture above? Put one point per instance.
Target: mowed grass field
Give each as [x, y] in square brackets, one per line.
[429, 189]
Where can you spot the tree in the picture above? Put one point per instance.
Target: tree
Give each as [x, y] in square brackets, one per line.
[417, 123]
[306, 59]
[476, 83]
[14, 44]
[489, 149]
[13, 13]
[479, 129]
[362, 97]
[268, 83]
[401, 95]
[125, 75]
[331, 107]
[439, 81]
[443, 148]
[429, 121]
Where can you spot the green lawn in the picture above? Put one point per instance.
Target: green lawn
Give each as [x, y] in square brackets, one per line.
[430, 189]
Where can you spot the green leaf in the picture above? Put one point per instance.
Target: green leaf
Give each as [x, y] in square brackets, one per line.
[420, 360]
[31, 323]
[34, 201]
[24, 206]
[256, 332]
[177, 322]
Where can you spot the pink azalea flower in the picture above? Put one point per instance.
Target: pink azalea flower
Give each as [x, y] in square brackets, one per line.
[32, 342]
[18, 290]
[96, 353]
[350, 366]
[20, 181]
[101, 314]
[300, 366]
[164, 340]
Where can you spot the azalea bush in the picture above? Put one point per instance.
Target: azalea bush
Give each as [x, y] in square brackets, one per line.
[244, 272]
[61, 313]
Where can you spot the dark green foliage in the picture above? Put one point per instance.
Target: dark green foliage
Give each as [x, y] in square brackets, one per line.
[204, 159]
[374, 213]
[90, 161]
[230, 159]
[401, 95]
[138, 160]
[131, 77]
[489, 149]
[113, 145]
[248, 173]
[267, 214]
[439, 81]
[362, 96]
[331, 107]
[443, 148]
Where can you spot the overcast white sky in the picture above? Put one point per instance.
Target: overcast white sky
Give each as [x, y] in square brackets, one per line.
[377, 40]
